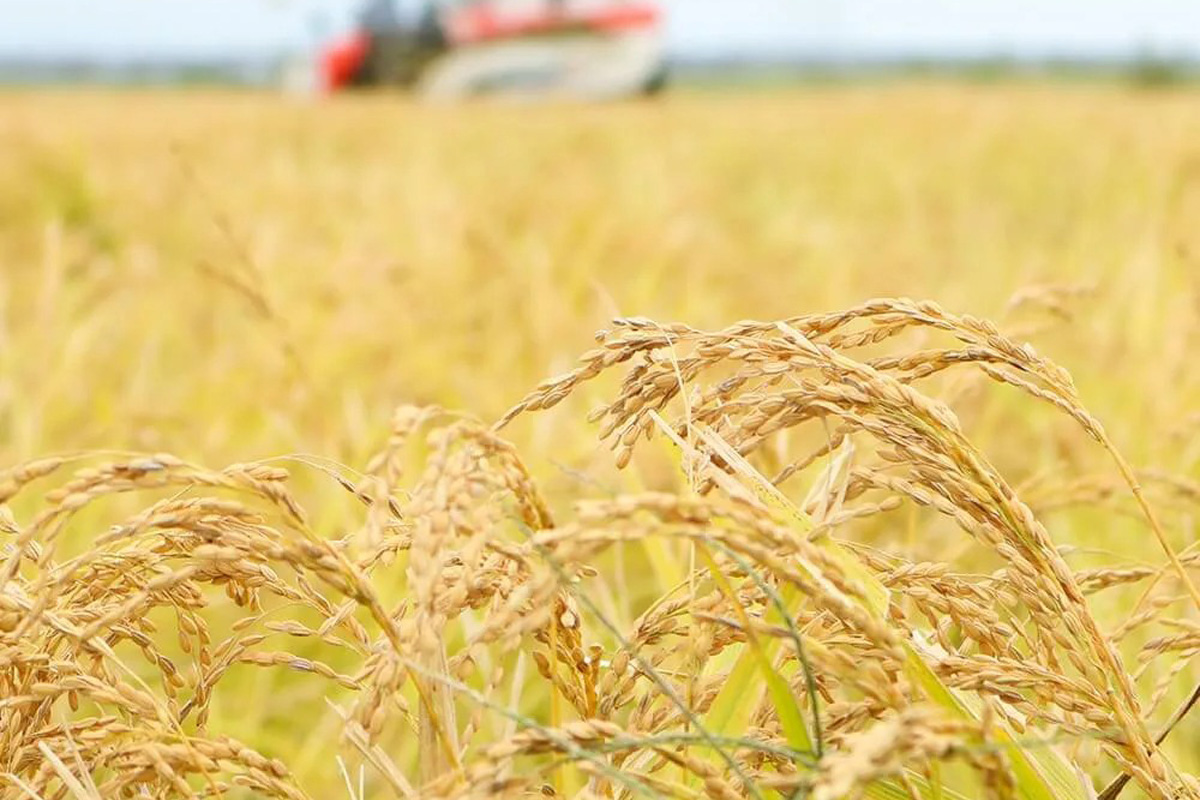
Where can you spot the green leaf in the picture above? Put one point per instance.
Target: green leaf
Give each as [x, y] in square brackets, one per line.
[1041, 773]
[729, 713]
[786, 707]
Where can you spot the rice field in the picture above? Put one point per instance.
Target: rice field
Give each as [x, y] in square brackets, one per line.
[818, 442]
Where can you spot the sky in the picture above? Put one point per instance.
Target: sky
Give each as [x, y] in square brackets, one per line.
[117, 29]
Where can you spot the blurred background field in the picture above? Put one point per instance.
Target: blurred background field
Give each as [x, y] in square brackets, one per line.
[229, 275]
[173, 259]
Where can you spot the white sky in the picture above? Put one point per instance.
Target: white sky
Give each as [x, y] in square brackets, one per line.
[124, 28]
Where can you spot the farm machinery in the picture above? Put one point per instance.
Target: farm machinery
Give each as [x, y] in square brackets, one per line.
[590, 49]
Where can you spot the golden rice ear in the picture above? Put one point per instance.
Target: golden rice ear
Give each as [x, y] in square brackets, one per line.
[828, 492]
[871, 398]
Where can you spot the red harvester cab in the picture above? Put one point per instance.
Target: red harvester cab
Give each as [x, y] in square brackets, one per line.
[536, 47]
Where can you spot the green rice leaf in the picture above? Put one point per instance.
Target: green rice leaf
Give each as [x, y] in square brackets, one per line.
[788, 710]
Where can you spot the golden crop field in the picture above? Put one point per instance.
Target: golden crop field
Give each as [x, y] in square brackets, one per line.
[262, 534]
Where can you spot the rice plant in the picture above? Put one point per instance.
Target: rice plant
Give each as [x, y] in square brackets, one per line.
[844, 598]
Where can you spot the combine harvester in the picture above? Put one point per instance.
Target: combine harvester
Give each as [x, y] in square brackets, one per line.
[595, 49]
